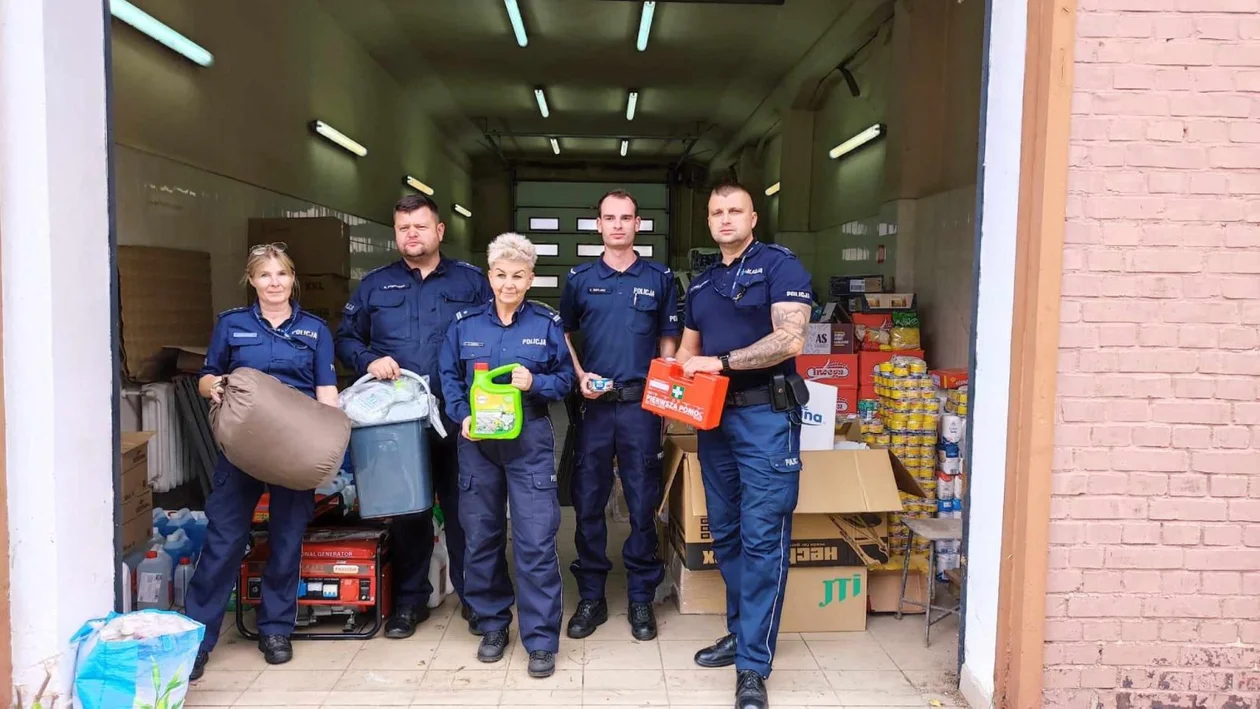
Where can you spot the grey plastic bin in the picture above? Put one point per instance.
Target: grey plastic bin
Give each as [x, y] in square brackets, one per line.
[393, 472]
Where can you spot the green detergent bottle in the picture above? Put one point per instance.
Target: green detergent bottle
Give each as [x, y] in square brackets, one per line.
[497, 412]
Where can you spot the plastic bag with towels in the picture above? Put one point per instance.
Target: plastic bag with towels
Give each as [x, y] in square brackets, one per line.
[372, 401]
[137, 660]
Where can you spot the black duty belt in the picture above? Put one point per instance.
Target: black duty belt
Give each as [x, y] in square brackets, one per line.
[749, 397]
[632, 392]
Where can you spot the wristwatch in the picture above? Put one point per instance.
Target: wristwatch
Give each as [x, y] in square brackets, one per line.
[725, 359]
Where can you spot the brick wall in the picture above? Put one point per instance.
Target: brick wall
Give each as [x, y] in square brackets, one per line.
[1154, 586]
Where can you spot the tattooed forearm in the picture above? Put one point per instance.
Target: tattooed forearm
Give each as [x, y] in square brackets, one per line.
[791, 324]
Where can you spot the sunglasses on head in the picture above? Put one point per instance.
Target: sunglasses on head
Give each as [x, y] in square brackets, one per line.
[263, 248]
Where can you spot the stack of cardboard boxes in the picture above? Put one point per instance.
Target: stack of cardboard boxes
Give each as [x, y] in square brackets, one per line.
[137, 498]
[839, 529]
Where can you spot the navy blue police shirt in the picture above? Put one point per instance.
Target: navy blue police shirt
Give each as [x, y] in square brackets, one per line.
[299, 352]
[534, 339]
[604, 304]
[730, 305]
[396, 313]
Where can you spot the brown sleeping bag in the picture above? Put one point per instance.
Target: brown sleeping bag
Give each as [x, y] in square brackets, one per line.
[276, 433]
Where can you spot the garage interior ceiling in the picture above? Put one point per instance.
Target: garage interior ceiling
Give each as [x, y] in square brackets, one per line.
[714, 73]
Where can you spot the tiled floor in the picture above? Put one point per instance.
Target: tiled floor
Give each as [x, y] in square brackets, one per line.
[885, 666]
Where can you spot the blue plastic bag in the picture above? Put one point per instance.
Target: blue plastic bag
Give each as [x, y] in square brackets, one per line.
[137, 660]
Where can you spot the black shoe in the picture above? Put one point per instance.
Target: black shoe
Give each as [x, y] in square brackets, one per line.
[750, 691]
[642, 621]
[589, 616]
[493, 644]
[402, 624]
[719, 654]
[199, 666]
[473, 620]
[276, 649]
[542, 664]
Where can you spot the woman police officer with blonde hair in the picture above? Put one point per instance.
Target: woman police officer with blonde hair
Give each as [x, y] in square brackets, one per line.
[521, 471]
[276, 337]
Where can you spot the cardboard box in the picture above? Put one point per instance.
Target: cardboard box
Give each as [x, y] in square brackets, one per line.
[854, 285]
[884, 588]
[868, 361]
[842, 338]
[323, 291]
[835, 370]
[317, 245]
[696, 592]
[846, 403]
[867, 391]
[164, 299]
[827, 600]
[885, 302]
[949, 378]
[136, 531]
[819, 339]
[837, 518]
[137, 498]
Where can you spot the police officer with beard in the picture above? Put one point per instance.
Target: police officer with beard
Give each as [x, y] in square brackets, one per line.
[397, 319]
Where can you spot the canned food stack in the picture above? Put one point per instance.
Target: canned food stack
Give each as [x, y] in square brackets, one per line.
[949, 472]
[905, 419]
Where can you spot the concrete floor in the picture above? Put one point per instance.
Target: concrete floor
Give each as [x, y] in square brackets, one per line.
[885, 666]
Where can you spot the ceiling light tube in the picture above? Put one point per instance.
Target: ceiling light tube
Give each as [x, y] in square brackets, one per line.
[542, 102]
[857, 141]
[147, 24]
[461, 209]
[772, 190]
[625, 147]
[339, 138]
[518, 24]
[645, 24]
[632, 102]
[555, 146]
[418, 185]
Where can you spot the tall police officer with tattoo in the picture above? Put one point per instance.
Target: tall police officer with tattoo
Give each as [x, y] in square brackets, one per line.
[747, 318]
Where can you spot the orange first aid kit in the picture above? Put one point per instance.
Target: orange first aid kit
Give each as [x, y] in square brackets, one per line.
[697, 400]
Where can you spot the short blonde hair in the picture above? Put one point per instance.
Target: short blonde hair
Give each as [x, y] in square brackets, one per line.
[512, 247]
[261, 254]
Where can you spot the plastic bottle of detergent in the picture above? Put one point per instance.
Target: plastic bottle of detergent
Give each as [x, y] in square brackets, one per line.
[438, 570]
[176, 546]
[162, 521]
[497, 412]
[153, 581]
[183, 577]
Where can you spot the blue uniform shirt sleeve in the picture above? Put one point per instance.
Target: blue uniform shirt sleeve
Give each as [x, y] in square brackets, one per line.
[325, 369]
[669, 325]
[569, 306]
[217, 355]
[484, 293]
[689, 313]
[790, 283]
[355, 332]
[557, 381]
[450, 371]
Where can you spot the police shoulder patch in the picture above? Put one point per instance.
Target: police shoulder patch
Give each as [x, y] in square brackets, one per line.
[581, 267]
[377, 270]
[469, 266]
[547, 310]
[782, 249]
[315, 317]
[466, 312]
[229, 311]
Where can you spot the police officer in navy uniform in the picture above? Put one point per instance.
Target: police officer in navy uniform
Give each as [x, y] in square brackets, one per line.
[747, 318]
[276, 337]
[395, 320]
[627, 311]
[519, 472]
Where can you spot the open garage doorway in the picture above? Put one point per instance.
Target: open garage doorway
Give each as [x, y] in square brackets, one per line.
[856, 126]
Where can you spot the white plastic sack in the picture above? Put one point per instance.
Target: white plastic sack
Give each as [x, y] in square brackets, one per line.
[371, 401]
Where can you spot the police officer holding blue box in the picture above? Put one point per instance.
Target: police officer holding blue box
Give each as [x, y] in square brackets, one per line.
[519, 471]
[747, 318]
[397, 319]
[627, 310]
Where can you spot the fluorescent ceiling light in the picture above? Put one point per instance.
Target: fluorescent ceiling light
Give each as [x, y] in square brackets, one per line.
[542, 102]
[631, 103]
[645, 24]
[462, 210]
[772, 190]
[518, 25]
[555, 146]
[417, 184]
[150, 26]
[857, 141]
[339, 138]
[625, 147]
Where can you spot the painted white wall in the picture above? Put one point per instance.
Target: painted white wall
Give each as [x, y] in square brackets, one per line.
[57, 362]
[1003, 114]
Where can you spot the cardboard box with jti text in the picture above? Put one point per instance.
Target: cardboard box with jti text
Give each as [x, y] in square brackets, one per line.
[137, 498]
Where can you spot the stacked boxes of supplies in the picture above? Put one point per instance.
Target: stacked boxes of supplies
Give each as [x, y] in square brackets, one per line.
[950, 465]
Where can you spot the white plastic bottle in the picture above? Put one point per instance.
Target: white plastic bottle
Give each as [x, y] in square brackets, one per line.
[153, 581]
[183, 577]
[438, 570]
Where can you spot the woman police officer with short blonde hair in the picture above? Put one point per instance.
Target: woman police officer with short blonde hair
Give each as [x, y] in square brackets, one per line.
[521, 471]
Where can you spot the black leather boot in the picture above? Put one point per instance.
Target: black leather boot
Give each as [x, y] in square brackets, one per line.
[750, 691]
[642, 621]
[276, 649]
[719, 654]
[402, 624]
[589, 616]
[199, 666]
[493, 644]
[542, 664]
